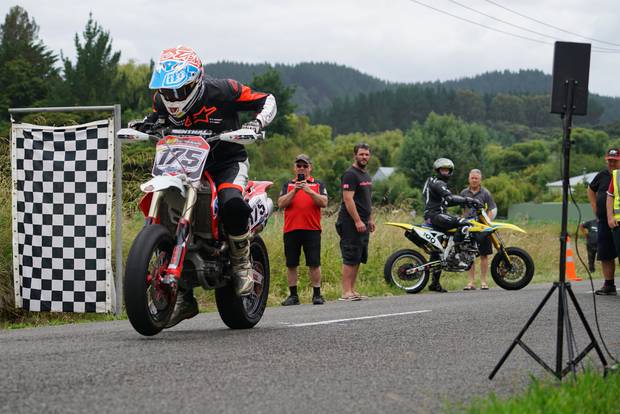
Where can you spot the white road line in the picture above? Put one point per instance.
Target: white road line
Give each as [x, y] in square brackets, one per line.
[386, 315]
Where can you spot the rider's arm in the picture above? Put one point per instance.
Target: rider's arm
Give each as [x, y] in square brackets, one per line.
[245, 99]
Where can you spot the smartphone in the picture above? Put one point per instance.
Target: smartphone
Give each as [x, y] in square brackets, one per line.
[301, 177]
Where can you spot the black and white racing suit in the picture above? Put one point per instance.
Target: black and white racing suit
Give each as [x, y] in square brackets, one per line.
[437, 199]
[216, 109]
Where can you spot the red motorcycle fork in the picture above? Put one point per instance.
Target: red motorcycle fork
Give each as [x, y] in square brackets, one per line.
[178, 253]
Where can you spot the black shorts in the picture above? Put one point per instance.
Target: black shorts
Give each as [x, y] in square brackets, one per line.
[353, 245]
[485, 246]
[311, 242]
[606, 249]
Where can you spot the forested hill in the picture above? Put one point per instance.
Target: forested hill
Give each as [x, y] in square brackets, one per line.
[327, 90]
[316, 84]
[524, 81]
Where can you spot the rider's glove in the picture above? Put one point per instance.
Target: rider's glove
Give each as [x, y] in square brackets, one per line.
[474, 203]
[254, 125]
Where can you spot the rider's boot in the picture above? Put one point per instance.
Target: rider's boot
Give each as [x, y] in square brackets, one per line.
[185, 308]
[435, 286]
[241, 266]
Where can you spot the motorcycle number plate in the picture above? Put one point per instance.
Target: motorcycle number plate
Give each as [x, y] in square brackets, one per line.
[181, 155]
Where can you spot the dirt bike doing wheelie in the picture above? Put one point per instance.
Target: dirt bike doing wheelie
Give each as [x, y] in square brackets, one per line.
[512, 268]
[182, 241]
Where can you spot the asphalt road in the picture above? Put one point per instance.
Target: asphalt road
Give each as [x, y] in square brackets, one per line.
[409, 353]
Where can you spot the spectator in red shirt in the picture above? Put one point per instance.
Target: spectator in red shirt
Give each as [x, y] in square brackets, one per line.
[302, 199]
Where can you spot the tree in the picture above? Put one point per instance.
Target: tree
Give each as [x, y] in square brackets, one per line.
[93, 79]
[469, 105]
[26, 66]
[507, 108]
[271, 82]
[442, 136]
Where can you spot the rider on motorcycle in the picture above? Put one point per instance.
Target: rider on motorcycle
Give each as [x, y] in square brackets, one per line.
[437, 199]
[186, 99]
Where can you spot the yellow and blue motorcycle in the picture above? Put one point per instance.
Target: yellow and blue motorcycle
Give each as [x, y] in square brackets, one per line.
[512, 268]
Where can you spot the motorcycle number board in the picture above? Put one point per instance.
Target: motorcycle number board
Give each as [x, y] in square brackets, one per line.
[181, 155]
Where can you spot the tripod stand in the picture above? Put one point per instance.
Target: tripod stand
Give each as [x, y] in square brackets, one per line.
[563, 287]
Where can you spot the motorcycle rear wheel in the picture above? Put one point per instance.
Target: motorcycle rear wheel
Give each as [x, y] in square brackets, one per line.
[246, 311]
[519, 275]
[398, 263]
[148, 303]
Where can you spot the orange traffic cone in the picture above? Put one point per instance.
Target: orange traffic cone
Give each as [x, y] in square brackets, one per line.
[570, 262]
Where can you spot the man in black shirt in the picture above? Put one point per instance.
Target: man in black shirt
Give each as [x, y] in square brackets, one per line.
[355, 220]
[597, 195]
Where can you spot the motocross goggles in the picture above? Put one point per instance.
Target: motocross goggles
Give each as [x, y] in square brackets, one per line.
[180, 94]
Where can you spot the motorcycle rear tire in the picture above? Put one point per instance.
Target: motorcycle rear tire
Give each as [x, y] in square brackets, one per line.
[525, 268]
[145, 317]
[414, 256]
[245, 312]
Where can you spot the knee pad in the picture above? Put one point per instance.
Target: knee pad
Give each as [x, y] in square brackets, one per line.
[235, 214]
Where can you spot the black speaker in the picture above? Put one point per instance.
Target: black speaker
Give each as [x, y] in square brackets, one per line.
[571, 64]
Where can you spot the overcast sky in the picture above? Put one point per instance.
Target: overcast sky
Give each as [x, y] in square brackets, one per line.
[394, 40]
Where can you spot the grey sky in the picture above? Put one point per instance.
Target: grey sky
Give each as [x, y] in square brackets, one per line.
[395, 40]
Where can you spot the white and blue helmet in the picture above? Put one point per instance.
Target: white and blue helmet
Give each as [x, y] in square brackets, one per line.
[177, 77]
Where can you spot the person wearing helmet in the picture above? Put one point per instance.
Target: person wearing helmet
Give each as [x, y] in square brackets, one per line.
[185, 98]
[437, 199]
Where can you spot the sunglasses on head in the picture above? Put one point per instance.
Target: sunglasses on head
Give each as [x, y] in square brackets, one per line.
[301, 165]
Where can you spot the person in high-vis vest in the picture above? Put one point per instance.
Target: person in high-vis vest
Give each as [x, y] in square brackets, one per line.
[613, 217]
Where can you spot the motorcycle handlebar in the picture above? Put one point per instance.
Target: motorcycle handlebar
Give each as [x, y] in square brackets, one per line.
[243, 136]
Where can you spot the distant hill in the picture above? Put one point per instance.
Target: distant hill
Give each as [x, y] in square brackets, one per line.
[316, 84]
[320, 85]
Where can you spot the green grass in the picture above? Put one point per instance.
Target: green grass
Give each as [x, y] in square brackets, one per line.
[541, 241]
[589, 393]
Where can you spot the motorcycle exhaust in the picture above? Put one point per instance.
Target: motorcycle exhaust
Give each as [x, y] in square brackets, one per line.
[424, 267]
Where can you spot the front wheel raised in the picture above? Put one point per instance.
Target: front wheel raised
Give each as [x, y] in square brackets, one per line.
[148, 302]
[514, 274]
[396, 270]
[246, 311]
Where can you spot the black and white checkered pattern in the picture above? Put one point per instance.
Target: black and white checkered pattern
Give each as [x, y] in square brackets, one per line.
[62, 199]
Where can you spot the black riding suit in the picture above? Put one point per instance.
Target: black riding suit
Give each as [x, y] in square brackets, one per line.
[216, 109]
[437, 199]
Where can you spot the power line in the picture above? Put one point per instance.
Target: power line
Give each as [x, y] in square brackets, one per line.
[594, 49]
[549, 25]
[606, 49]
[480, 24]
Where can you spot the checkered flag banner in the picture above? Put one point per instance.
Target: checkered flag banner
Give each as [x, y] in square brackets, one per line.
[62, 203]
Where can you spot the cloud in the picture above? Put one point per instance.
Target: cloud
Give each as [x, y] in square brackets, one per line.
[396, 40]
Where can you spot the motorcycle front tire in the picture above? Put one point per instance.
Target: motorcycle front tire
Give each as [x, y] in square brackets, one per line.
[517, 278]
[148, 309]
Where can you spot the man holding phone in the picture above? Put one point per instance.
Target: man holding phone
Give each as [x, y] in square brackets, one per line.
[302, 199]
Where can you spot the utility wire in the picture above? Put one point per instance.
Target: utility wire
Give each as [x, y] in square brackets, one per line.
[594, 49]
[549, 25]
[598, 48]
[480, 24]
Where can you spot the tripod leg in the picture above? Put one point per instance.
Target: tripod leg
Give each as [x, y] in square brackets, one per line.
[559, 348]
[527, 325]
[572, 363]
[587, 327]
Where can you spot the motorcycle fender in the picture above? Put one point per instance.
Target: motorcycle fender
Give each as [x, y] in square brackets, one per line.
[163, 182]
[401, 225]
[507, 226]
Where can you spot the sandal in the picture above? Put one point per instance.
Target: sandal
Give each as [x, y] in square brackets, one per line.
[470, 287]
[359, 295]
[350, 298]
[484, 286]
